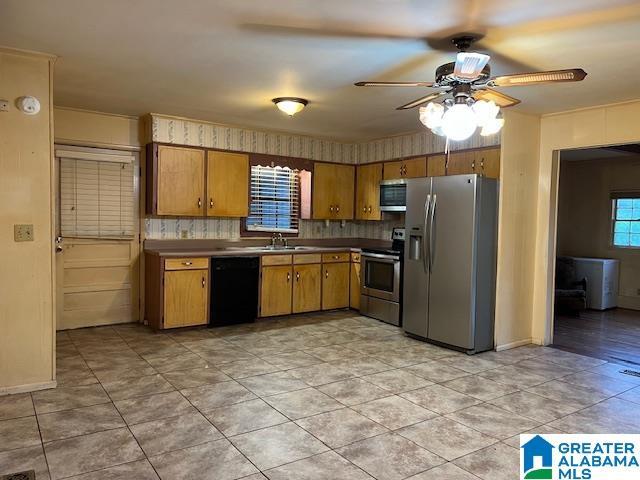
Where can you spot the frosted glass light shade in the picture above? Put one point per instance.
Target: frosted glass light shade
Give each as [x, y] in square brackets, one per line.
[485, 111]
[459, 122]
[431, 115]
[290, 105]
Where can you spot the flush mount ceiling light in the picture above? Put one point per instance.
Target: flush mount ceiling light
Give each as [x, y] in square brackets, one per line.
[290, 105]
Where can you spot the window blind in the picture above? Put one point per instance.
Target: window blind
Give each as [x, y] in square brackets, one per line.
[96, 196]
[275, 205]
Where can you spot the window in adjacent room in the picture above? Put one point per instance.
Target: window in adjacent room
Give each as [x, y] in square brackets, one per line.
[626, 219]
[275, 199]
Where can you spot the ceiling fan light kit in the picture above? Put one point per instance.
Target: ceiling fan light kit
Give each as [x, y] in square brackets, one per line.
[471, 102]
[290, 105]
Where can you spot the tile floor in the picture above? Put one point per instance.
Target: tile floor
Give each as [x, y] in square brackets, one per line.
[329, 396]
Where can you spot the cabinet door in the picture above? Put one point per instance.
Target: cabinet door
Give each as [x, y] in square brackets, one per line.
[487, 162]
[323, 185]
[186, 294]
[368, 192]
[227, 184]
[461, 163]
[415, 167]
[343, 191]
[393, 170]
[335, 285]
[275, 291]
[180, 181]
[307, 285]
[436, 165]
[354, 287]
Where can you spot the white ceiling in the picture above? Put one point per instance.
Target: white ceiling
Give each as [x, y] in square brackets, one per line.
[217, 60]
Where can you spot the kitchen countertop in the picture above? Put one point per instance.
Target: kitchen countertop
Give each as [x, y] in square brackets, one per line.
[215, 248]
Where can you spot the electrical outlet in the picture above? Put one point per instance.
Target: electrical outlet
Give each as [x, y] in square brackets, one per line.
[638, 292]
[184, 233]
[4, 105]
[23, 233]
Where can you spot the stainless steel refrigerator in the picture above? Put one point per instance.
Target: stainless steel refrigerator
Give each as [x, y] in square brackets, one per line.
[450, 261]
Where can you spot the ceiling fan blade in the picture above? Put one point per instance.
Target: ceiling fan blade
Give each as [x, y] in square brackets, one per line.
[469, 65]
[393, 84]
[420, 101]
[552, 76]
[496, 97]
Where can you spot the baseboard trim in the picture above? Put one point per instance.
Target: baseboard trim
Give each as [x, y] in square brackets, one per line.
[508, 346]
[31, 387]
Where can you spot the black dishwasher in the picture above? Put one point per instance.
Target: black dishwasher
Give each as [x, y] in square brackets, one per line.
[234, 290]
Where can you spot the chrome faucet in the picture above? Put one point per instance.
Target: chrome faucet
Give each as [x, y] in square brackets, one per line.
[277, 237]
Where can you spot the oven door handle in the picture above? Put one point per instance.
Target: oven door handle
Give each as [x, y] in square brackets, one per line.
[378, 257]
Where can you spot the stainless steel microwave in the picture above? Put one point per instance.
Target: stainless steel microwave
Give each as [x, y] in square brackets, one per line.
[393, 195]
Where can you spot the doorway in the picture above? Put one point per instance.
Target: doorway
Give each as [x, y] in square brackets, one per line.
[97, 236]
[597, 264]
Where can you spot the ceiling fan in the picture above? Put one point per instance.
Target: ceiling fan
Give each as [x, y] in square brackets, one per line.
[471, 101]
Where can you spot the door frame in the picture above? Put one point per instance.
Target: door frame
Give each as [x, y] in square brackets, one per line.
[137, 284]
[553, 235]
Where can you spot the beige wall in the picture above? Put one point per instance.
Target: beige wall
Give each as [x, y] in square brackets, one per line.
[26, 278]
[584, 216]
[516, 229]
[604, 125]
[82, 127]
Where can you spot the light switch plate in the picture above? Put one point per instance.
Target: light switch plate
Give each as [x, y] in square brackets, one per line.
[23, 232]
[184, 233]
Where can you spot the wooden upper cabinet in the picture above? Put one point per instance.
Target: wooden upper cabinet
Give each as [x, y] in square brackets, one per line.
[333, 191]
[409, 168]
[487, 162]
[436, 165]
[275, 291]
[186, 294]
[461, 163]
[227, 184]
[368, 192]
[307, 288]
[180, 181]
[335, 285]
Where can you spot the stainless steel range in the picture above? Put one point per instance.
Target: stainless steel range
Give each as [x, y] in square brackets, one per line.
[381, 281]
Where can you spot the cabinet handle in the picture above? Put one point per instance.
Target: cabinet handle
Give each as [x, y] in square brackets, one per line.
[202, 282]
[297, 276]
[211, 203]
[473, 165]
[369, 208]
[364, 209]
[337, 208]
[331, 208]
[187, 263]
[326, 274]
[199, 202]
[336, 257]
[288, 277]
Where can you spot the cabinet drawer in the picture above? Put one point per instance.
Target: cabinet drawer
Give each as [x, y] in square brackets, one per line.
[276, 260]
[186, 263]
[335, 257]
[307, 258]
[355, 257]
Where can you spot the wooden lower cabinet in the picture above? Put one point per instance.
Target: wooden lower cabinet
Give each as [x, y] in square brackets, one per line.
[307, 288]
[354, 287]
[186, 298]
[335, 285]
[275, 291]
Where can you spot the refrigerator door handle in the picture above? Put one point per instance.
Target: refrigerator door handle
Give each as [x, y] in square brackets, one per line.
[432, 247]
[426, 241]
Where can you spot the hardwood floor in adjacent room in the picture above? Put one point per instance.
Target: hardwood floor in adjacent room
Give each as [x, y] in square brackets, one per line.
[612, 335]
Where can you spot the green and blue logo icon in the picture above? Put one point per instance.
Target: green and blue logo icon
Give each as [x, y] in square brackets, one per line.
[537, 459]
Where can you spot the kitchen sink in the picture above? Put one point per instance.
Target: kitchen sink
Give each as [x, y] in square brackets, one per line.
[271, 248]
